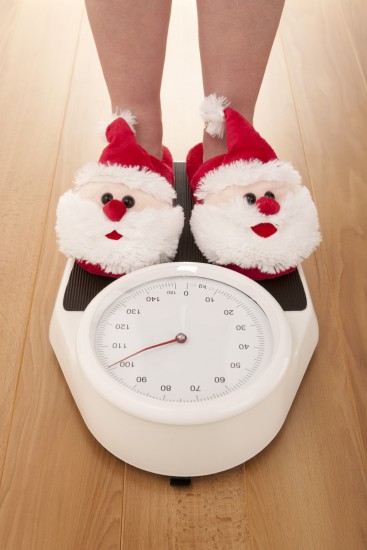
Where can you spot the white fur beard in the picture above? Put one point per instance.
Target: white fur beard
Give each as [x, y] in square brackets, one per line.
[224, 233]
[149, 237]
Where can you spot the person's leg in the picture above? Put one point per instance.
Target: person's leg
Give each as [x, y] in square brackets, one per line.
[130, 37]
[235, 39]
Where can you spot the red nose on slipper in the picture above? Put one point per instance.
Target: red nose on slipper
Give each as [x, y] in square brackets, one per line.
[267, 206]
[114, 210]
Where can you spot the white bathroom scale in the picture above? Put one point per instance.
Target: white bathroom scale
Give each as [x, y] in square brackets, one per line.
[185, 368]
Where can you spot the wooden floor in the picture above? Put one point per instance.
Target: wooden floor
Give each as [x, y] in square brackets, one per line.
[59, 488]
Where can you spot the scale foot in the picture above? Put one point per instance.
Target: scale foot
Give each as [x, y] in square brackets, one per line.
[180, 481]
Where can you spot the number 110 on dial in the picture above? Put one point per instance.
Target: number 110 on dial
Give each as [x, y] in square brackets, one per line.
[183, 339]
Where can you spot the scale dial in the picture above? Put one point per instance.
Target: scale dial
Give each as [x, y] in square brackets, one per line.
[184, 343]
[184, 339]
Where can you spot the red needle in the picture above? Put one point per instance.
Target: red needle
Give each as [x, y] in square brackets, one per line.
[180, 338]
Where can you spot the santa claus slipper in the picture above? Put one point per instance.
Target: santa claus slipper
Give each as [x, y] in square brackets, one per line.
[252, 214]
[120, 215]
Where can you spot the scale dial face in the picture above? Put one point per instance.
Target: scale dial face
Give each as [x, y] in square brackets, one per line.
[184, 343]
[218, 338]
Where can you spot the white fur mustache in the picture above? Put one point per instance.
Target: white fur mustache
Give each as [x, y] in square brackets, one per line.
[149, 236]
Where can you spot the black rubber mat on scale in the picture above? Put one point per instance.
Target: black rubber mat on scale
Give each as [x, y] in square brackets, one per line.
[82, 286]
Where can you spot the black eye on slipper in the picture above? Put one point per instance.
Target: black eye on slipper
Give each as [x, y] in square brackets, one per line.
[128, 201]
[107, 197]
[250, 197]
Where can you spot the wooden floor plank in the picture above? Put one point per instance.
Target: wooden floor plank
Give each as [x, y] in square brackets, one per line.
[32, 111]
[71, 488]
[355, 16]
[8, 16]
[295, 485]
[308, 488]
[331, 101]
[211, 514]
[182, 89]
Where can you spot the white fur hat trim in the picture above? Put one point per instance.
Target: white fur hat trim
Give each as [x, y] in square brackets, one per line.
[243, 172]
[134, 177]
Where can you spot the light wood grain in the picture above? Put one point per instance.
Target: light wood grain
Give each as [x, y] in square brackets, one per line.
[72, 487]
[298, 477]
[60, 489]
[210, 515]
[355, 17]
[8, 9]
[331, 101]
[321, 435]
[182, 89]
[32, 98]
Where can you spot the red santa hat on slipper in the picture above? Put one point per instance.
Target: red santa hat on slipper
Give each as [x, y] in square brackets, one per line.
[249, 157]
[124, 161]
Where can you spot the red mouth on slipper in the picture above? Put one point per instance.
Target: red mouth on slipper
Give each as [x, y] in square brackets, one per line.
[264, 230]
[114, 235]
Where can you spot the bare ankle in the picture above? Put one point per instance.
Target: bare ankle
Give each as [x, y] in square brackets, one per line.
[149, 134]
[213, 146]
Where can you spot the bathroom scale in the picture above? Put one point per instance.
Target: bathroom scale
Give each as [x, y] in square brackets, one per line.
[185, 368]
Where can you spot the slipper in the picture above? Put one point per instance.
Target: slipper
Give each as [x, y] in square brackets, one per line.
[251, 214]
[120, 215]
